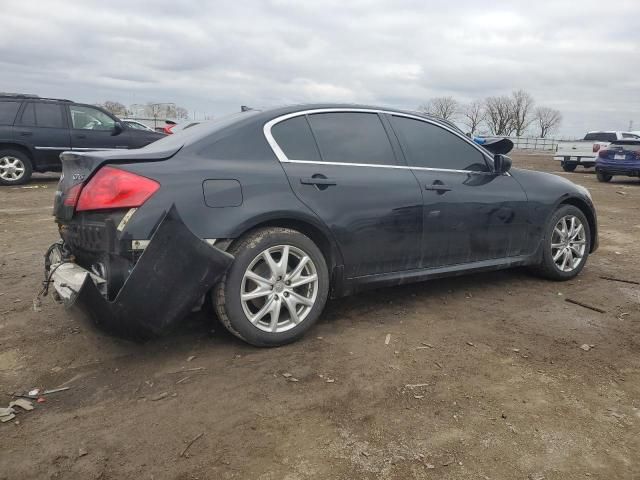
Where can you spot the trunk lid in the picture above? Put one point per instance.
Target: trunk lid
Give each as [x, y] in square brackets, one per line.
[79, 167]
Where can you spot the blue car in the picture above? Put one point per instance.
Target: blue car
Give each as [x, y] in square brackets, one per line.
[621, 157]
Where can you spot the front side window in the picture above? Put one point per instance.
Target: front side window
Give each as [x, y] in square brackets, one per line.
[87, 118]
[295, 139]
[8, 112]
[350, 137]
[630, 135]
[48, 115]
[429, 146]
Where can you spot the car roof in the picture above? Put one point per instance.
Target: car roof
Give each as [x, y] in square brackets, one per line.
[272, 113]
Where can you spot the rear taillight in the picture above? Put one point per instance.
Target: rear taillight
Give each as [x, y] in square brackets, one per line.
[603, 153]
[115, 188]
[596, 147]
[71, 197]
[167, 129]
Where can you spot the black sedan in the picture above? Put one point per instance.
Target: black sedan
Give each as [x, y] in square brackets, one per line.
[270, 213]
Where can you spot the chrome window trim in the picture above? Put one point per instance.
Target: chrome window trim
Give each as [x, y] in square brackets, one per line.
[284, 159]
[401, 167]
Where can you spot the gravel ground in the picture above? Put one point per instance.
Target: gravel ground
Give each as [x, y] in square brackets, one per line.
[483, 376]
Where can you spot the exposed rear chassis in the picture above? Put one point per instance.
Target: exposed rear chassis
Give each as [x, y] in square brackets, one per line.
[175, 270]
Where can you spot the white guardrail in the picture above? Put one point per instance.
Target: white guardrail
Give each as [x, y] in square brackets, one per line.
[533, 143]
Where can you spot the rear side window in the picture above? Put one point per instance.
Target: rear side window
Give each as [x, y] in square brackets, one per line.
[28, 117]
[429, 146]
[8, 112]
[347, 137]
[48, 115]
[295, 139]
[601, 137]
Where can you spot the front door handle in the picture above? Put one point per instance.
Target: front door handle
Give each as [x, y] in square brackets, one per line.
[26, 134]
[81, 135]
[317, 181]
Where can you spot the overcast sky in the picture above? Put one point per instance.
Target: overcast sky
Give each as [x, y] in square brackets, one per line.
[578, 56]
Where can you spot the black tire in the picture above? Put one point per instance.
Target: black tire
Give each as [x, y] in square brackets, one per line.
[569, 167]
[603, 177]
[227, 294]
[547, 267]
[22, 158]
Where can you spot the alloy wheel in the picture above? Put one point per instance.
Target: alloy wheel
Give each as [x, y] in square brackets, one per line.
[11, 168]
[568, 243]
[279, 288]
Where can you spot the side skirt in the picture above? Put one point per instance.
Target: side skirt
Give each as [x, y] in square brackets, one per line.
[358, 284]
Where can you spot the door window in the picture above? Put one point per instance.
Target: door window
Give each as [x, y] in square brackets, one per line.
[87, 118]
[295, 139]
[348, 137]
[47, 115]
[430, 146]
[8, 112]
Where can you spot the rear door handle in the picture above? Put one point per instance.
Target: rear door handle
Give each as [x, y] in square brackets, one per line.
[81, 135]
[438, 187]
[26, 134]
[317, 181]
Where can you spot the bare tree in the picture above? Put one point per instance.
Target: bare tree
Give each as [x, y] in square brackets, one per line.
[473, 115]
[521, 111]
[116, 108]
[446, 108]
[182, 113]
[548, 120]
[498, 115]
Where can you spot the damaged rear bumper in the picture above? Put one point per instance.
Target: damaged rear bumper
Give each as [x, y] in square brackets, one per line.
[175, 270]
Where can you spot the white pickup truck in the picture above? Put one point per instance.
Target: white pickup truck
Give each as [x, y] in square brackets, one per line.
[584, 152]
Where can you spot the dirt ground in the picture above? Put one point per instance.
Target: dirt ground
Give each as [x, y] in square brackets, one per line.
[483, 377]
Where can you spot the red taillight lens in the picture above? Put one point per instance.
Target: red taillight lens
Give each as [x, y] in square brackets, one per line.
[71, 197]
[596, 147]
[603, 153]
[167, 129]
[115, 188]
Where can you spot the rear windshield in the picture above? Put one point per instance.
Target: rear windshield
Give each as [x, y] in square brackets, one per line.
[8, 112]
[632, 145]
[601, 136]
[199, 131]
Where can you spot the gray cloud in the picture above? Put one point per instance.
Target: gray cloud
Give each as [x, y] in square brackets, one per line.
[578, 57]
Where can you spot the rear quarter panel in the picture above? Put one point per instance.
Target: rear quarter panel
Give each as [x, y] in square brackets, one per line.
[241, 154]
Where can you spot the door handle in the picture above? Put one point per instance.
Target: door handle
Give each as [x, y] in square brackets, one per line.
[81, 135]
[438, 187]
[26, 134]
[317, 181]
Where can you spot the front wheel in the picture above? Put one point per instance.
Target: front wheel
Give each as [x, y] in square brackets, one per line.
[275, 289]
[567, 243]
[603, 177]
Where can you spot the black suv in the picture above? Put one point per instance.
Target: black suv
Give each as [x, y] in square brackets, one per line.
[34, 131]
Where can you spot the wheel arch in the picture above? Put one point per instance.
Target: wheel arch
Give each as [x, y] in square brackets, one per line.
[588, 212]
[320, 235]
[20, 147]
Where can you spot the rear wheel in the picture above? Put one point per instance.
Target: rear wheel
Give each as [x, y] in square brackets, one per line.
[566, 244]
[603, 177]
[15, 167]
[569, 167]
[275, 289]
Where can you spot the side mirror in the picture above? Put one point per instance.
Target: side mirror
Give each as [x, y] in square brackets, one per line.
[118, 128]
[501, 163]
